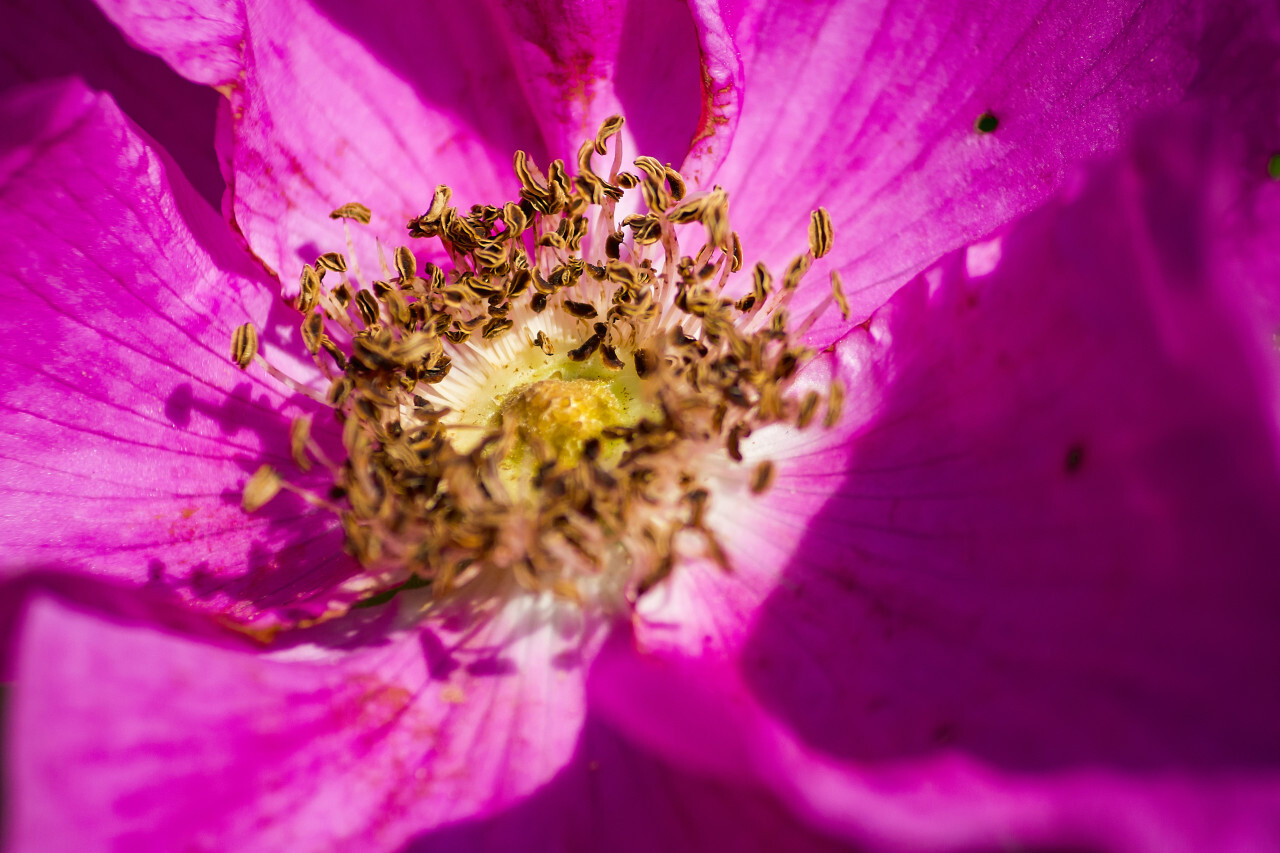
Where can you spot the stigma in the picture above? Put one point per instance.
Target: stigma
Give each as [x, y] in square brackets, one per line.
[554, 407]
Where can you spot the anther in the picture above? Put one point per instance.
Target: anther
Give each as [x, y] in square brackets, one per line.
[262, 487]
[835, 402]
[244, 345]
[353, 210]
[762, 477]
[837, 290]
[821, 232]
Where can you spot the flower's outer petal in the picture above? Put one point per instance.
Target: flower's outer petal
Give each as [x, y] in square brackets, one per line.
[127, 433]
[200, 39]
[331, 102]
[129, 737]
[869, 106]
[1048, 575]
[615, 796]
[42, 39]
[947, 802]
[722, 79]
[582, 60]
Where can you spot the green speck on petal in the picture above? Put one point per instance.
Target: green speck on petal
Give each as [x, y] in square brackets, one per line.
[1273, 167]
[986, 123]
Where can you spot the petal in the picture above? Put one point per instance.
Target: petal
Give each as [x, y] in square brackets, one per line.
[722, 90]
[130, 737]
[1040, 609]
[126, 433]
[43, 39]
[200, 39]
[330, 103]
[946, 802]
[869, 108]
[583, 60]
[617, 797]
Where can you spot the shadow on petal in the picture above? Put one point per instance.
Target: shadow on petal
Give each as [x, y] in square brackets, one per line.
[1055, 544]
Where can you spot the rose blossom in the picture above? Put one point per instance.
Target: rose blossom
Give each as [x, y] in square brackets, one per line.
[1020, 594]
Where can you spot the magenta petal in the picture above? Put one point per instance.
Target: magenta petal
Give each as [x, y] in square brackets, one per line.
[944, 802]
[134, 738]
[43, 39]
[1064, 505]
[127, 433]
[870, 110]
[1040, 608]
[200, 39]
[584, 60]
[332, 103]
[619, 798]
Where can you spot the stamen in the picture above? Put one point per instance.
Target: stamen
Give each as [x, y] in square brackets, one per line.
[821, 232]
[564, 458]
[264, 485]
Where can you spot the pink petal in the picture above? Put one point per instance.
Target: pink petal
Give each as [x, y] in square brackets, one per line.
[1040, 609]
[200, 39]
[43, 39]
[129, 737]
[581, 61]
[127, 433]
[616, 797]
[869, 108]
[944, 802]
[376, 104]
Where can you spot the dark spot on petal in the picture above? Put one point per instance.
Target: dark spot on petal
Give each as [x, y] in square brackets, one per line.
[1273, 167]
[986, 123]
[943, 734]
[1074, 458]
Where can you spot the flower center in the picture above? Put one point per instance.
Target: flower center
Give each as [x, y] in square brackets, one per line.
[545, 410]
[563, 413]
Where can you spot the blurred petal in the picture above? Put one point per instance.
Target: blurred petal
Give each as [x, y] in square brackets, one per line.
[126, 432]
[614, 796]
[1040, 608]
[869, 108]
[134, 738]
[43, 39]
[944, 802]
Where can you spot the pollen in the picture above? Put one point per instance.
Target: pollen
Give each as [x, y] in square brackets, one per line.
[564, 413]
[554, 408]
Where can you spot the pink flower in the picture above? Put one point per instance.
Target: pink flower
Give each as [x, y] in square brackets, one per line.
[1023, 594]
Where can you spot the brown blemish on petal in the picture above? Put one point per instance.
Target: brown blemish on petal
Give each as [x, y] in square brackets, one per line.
[576, 79]
[372, 703]
[714, 102]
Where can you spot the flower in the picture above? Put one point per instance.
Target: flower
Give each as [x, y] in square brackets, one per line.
[1023, 588]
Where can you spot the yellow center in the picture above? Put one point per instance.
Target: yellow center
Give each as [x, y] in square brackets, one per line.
[563, 413]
